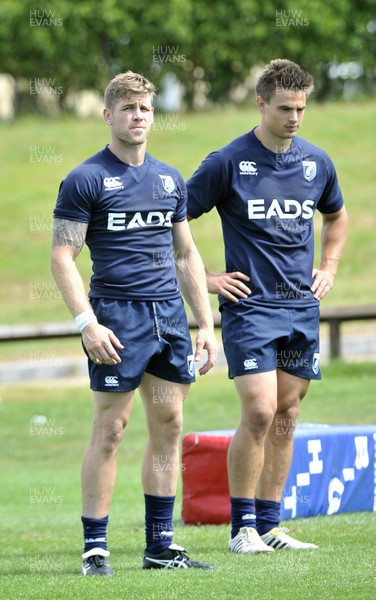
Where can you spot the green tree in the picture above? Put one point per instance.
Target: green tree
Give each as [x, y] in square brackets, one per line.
[81, 45]
[232, 37]
[210, 46]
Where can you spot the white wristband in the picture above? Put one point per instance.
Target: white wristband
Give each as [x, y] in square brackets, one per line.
[84, 319]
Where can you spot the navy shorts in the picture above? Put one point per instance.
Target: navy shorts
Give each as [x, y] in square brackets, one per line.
[156, 340]
[257, 339]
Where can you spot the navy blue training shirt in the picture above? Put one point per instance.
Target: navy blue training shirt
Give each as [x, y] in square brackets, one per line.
[266, 202]
[130, 212]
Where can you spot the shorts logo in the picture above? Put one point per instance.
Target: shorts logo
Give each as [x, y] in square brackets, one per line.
[316, 363]
[250, 363]
[191, 364]
[168, 183]
[111, 381]
[112, 183]
[248, 167]
[309, 169]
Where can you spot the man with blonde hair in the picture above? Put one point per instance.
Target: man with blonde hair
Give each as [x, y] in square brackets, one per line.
[130, 209]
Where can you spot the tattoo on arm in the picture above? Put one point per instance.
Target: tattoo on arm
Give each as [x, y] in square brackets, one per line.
[69, 233]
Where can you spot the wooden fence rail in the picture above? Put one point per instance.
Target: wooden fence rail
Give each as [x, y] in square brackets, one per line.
[333, 316]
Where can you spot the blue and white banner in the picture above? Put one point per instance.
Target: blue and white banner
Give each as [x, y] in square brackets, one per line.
[333, 470]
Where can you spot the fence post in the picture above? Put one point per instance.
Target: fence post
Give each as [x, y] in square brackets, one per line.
[334, 338]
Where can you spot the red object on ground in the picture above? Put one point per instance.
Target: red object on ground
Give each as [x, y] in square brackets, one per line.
[206, 496]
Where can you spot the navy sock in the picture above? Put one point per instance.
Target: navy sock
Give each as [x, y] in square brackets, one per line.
[158, 522]
[94, 533]
[267, 515]
[242, 514]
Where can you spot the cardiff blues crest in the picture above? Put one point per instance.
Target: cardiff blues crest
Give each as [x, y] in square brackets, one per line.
[316, 363]
[168, 183]
[309, 169]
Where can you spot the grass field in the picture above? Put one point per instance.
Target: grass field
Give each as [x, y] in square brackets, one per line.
[42, 538]
[36, 154]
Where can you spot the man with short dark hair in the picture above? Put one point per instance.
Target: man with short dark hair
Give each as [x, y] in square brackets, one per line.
[266, 186]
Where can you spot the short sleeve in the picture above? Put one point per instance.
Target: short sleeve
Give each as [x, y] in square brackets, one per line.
[207, 186]
[331, 199]
[76, 197]
[181, 207]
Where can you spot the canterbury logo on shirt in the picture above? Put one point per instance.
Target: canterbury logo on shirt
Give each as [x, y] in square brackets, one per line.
[112, 183]
[285, 209]
[118, 221]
